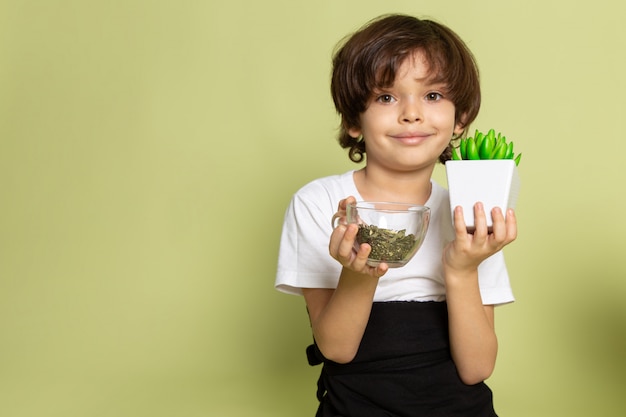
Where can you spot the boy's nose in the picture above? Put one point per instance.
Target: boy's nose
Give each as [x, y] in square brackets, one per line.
[411, 112]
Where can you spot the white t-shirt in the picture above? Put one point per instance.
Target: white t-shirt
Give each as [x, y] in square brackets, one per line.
[304, 260]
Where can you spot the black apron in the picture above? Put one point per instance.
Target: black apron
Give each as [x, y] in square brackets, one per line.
[403, 368]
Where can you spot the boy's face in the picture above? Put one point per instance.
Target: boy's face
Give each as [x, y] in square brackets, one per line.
[408, 125]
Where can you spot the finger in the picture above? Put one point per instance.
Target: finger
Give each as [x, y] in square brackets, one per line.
[511, 225]
[480, 221]
[460, 227]
[337, 219]
[359, 263]
[346, 245]
[340, 217]
[378, 270]
[343, 204]
[335, 240]
[499, 230]
[381, 269]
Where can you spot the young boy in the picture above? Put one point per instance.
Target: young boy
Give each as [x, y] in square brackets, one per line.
[417, 340]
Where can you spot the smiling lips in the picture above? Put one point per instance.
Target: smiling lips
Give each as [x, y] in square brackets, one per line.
[411, 138]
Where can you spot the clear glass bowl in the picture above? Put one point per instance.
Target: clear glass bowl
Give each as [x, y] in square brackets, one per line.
[395, 231]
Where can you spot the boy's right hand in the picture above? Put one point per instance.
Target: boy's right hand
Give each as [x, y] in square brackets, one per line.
[341, 246]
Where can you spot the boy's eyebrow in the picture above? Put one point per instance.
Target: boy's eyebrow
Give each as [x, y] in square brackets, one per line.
[432, 81]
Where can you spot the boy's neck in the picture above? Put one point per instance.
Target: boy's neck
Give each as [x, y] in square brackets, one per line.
[402, 187]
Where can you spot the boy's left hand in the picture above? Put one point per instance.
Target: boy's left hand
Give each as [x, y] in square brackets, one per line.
[467, 250]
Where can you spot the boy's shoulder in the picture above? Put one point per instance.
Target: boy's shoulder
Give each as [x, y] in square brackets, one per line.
[338, 184]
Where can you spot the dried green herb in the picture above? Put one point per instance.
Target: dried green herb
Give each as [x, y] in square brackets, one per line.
[387, 244]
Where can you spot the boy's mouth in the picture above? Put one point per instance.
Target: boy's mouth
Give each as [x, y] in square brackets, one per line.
[411, 138]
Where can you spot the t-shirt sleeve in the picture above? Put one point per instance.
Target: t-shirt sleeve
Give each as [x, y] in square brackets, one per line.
[495, 288]
[303, 258]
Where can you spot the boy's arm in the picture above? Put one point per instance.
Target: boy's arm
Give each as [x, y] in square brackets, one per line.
[339, 316]
[473, 340]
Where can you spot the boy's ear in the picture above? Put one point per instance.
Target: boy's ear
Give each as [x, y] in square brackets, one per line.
[458, 129]
[355, 132]
[459, 126]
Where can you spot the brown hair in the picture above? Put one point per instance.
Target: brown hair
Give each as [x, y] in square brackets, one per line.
[369, 59]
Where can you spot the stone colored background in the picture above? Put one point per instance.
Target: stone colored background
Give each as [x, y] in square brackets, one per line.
[148, 150]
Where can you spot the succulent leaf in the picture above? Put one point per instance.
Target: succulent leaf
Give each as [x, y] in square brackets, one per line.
[485, 146]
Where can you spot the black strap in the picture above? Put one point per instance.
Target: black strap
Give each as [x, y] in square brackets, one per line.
[313, 355]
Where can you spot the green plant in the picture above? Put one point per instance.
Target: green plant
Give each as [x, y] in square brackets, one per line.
[485, 146]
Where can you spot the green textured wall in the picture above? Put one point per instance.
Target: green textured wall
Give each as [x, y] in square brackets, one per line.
[148, 150]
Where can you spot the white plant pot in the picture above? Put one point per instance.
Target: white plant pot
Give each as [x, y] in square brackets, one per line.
[493, 182]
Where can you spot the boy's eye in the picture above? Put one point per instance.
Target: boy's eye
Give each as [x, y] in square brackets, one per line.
[433, 96]
[385, 98]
